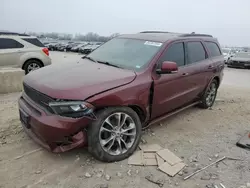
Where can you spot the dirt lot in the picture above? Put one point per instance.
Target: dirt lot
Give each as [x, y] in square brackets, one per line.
[198, 136]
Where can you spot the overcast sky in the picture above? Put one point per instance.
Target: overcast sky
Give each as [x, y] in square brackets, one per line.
[228, 20]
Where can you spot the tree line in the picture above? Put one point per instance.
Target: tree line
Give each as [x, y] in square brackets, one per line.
[78, 37]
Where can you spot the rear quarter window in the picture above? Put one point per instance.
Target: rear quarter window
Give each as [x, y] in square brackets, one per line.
[213, 49]
[34, 41]
[6, 43]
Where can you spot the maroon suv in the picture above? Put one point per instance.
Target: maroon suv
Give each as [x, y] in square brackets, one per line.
[130, 82]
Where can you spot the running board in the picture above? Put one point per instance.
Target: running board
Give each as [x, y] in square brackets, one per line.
[172, 113]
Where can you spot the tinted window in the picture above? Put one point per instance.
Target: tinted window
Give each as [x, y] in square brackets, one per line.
[175, 53]
[213, 49]
[195, 52]
[34, 41]
[9, 44]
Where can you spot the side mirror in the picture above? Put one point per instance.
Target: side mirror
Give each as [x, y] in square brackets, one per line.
[167, 67]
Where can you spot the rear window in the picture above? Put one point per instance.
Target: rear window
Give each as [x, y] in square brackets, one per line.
[213, 49]
[34, 41]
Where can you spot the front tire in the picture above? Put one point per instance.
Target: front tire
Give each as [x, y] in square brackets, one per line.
[115, 135]
[209, 96]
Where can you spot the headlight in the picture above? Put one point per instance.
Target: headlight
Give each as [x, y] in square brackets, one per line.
[74, 109]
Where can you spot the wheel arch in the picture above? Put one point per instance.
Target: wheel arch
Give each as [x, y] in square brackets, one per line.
[217, 79]
[32, 59]
[138, 110]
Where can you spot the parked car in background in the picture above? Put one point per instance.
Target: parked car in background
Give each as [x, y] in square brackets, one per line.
[240, 60]
[127, 84]
[62, 47]
[88, 49]
[228, 53]
[51, 45]
[71, 45]
[76, 48]
[23, 51]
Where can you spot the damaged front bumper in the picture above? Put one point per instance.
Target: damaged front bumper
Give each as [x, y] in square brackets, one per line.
[53, 132]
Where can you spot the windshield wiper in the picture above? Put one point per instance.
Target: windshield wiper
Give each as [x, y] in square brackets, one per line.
[90, 58]
[109, 64]
[101, 62]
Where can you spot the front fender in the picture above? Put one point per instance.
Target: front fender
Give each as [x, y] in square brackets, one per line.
[133, 94]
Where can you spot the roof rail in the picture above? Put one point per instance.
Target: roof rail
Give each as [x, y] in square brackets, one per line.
[156, 32]
[12, 33]
[195, 35]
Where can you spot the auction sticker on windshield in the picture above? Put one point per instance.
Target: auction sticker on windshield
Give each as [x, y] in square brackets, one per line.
[153, 43]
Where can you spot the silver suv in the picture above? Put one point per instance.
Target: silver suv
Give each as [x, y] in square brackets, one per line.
[24, 51]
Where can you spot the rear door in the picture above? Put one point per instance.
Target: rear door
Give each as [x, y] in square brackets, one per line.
[217, 60]
[197, 65]
[11, 50]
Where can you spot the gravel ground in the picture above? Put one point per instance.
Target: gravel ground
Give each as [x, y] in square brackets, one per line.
[198, 136]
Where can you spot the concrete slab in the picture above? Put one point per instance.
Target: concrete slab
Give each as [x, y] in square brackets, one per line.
[171, 170]
[160, 160]
[136, 159]
[11, 80]
[142, 159]
[150, 159]
[168, 156]
[150, 148]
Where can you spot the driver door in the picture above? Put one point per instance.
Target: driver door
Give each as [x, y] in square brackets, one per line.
[172, 90]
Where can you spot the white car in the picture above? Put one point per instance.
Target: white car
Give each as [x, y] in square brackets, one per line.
[228, 53]
[22, 51]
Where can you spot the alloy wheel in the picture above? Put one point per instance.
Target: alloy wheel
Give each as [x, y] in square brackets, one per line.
[117, 133]
[33, 66]
[211, 94]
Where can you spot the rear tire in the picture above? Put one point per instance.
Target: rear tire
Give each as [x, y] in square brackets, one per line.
[208, 98]
[32, 65]
[109, 144]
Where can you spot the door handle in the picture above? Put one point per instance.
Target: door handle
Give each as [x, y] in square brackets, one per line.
[185, 74]
[211, 66]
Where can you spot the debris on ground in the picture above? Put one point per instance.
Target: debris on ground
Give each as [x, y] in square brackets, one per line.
[103, 186]
[206, 176]
[28, 153]
[244, 142]
[152, 179]
[107, 177]
[155, 155]
[38, 172]
[193, 159]
[129, 172]
[150, 148]
[88, 175]
[99, 173]
[196, 172]
[168, 156]
[223, 186]
[143, 141]
[119, 174]
[171, 170]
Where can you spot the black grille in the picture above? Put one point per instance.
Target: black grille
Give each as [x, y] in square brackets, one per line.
[39, 98]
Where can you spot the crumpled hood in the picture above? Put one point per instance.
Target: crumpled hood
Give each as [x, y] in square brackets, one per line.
[77, 81]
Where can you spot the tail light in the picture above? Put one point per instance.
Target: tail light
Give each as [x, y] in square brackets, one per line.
[46, 51]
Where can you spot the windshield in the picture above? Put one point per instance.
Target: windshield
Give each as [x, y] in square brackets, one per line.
[126, 53]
